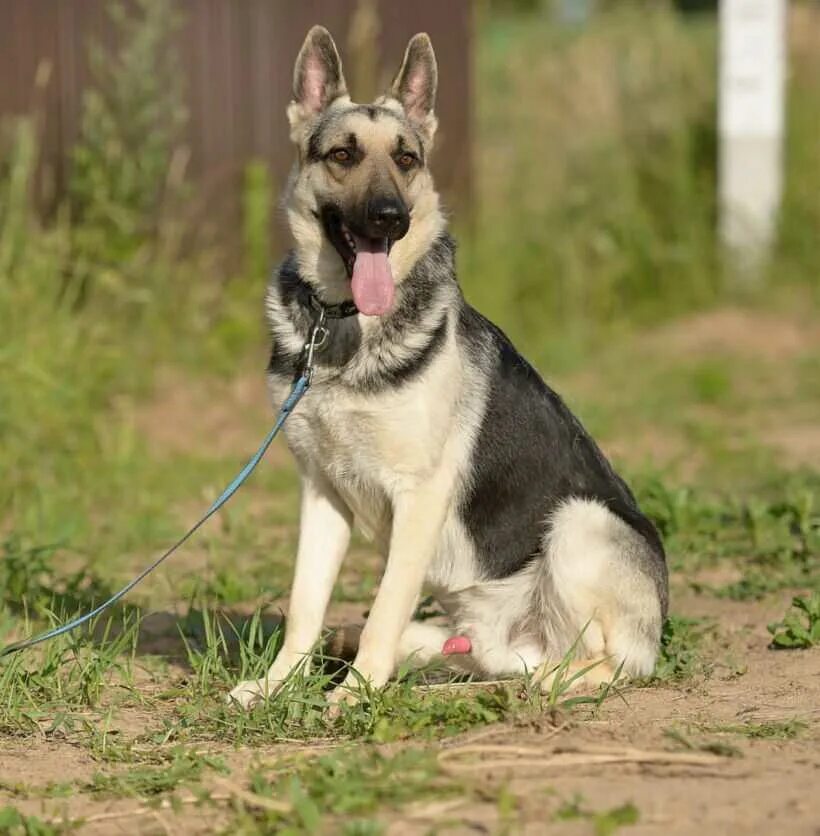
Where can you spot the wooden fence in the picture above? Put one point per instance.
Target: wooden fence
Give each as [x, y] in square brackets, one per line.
[237, 57]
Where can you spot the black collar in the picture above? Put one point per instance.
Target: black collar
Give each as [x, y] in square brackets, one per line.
[340, 311]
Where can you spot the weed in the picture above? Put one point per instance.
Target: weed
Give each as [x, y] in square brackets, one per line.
[175, 767]
[774, 542]
[780, 730]
[15, 823]
[122, 163]
[25, 572]
[714, 747]
[604, 822]
[344, 784]
[800, 627]
[680, 655]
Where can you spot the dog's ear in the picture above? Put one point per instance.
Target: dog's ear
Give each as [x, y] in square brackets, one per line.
[317, 77]
[415, 84]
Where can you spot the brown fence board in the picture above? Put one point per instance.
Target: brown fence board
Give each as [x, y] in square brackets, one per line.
[237, 58]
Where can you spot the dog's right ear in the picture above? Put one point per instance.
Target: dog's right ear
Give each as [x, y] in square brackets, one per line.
[317, 77]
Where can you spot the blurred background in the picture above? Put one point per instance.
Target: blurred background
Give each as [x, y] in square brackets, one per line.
[143, 146]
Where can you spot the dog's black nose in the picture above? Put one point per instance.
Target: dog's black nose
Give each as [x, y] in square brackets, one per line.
[387, 217]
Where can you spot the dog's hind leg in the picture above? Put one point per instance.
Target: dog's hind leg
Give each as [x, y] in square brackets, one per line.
[421, 643]
[601, 595]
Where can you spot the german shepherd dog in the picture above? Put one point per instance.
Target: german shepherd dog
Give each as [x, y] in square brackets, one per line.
[427, 428]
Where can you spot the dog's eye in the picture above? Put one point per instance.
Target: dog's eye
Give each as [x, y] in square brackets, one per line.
[341, 155]
[405, 161]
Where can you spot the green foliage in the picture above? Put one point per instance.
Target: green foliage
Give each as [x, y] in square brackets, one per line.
[123, 175]
[345, 784]
[800, 627]
[15, 823]
[176, 767]
[772, 537]
[24, 572]
[680, 655]
[68, 672]
[596, 155]
[257, 200]
[605, 822]
[777, 729]
[88, 307]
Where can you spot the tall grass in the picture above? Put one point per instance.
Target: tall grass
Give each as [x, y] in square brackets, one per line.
[798, 256]
[89, 305]
[596, 172]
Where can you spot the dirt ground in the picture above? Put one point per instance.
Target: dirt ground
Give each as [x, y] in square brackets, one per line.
[700, 779]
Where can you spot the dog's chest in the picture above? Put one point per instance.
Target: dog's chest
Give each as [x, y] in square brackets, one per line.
[373, 446]
[379, 440]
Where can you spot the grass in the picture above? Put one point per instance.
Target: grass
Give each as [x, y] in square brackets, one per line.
[604, 822]
[175, 768]
[770, 538]
[345, 788]
[800, 627]
[714, 747]
[15, 823]
[681, 655]
[776, 729]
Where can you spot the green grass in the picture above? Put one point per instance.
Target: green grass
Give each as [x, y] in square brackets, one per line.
[776, 729]
[800, 627]
[345, 787]
[712, 746]
[603, 822]
[175, 768]
[681, 655]
[14, 823]
[772, 538]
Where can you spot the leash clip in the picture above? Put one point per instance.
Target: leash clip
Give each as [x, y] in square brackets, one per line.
[318, 337]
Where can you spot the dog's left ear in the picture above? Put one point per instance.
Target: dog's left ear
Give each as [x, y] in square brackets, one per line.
[415, 84]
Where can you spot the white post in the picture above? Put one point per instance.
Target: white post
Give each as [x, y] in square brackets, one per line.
[750, 123]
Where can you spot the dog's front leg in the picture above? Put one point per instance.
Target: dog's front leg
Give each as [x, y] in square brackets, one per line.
[418, 516]
[324, 534]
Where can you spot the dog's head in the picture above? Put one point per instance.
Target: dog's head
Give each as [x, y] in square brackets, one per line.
[361, 203]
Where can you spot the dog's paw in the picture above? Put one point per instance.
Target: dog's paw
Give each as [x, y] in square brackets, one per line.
[579, 674]
[340, 696]
[249, 693]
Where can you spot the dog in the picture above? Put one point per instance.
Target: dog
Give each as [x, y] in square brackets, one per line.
[427, 428]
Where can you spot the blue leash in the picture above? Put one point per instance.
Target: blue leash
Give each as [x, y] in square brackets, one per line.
[318, 335]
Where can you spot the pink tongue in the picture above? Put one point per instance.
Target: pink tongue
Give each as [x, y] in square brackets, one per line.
[372, 282]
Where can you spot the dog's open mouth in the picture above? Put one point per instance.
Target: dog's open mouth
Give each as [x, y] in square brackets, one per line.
[367, 265]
